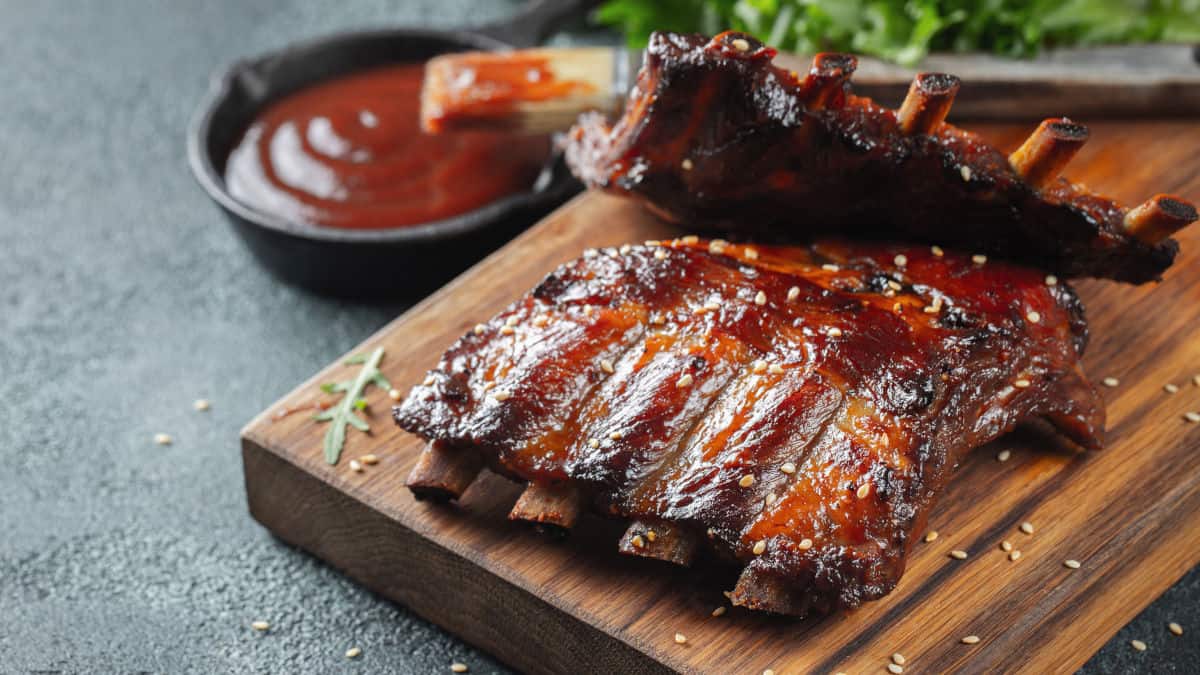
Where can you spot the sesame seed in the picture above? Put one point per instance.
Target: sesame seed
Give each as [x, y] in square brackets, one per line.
[1006, 546]
[775, 369]
[684, 381]
[1003, 455]
[1192, 417]
[760, 299]
[788, 468]
[901, 260]
[652, 242]
[793, 293]
[355, 466]
[720, 611]
[1072, 564]
[540, 321]
[937, 251]
[637, 541]
[395, 394]
[1027, 527]
[507, 330]
[458, 668]
[680, 639]
[746, 481]
[625, 249]
[750, 253]
[651, 535]
[958, 555]
[768, 671]
[590, 253]
[260, 625]
[898, 659]
[863, 490]
[660, 254]
[201, 404]
[717, 246]
[587, 311]
[1138, 645]
[965, 172]
[1051, 280]
[479, 328]
[931, 535]
[770, 499]
[616, 436]
[607, 366]
[1196, 380]
[163, 439]
[830, 268]
[894, 285]
[979, 259]
[759, 367]
[511, 321]
[740, 44]
[353, 653]
[1170, 388]
[1014, 555]
[970, 640]
[690, 239]
[593, 443]
[501, 395]
[712, 305]
[1175, 628]
[1110, 381]
[1033, 317]
[895, 669]
[805, 544]
[370, 460]
[759, 547]
[1021, 383]
[658, 319]
[428, 382]
[686, 164]
[834, 332]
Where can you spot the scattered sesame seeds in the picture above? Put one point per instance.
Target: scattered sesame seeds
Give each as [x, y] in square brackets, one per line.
[901, 260]
[1193, 417]
[163, 439]
[958, 555]
[760, 299]
[1021, 383]
[540, 321]
[1006, 546]
[260, 625]
[1138, 645]
[750, 253]
[356, 466]
[717, 246]
[690, 239]
[720, 611]
[1072, 564]
[1027, 527]
[970, 640]
[1175, 628]
[607, 366]
[768, 671]
[979, 259]
[771, 499]
[686, 164]
[1110, 381]
[930, 536]
[353, 653]
[507, 330]
[937, 251]
[1170, 388]
[828, 267]
[746, 481]
[587, 311]
[684, 381]
[479, 328]
[894, 285]
[788, 467]
[501, 395]
[625, 249]
[680, 639]
[863, 490]
[616, 436]
[793, 293]
[1034, 317]
[369, 460]
[511, 321]
[395, 394]
[1003, 455]
[898, 659]
[1196, 380]
[759, 547]
[965, 172]
[759, 367]
[805, 544]
[458, 667]
[651, 535]
[1051, 280]
[740, 44]
[637, 541]
[593, 443]
[428, 382]
[1014, 555]
[895, 669]
[201, 404]
[660, 254]
[834, 332]
[775, 369]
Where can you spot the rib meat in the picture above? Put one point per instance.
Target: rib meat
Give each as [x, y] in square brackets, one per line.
[797, 408]
[716, 136]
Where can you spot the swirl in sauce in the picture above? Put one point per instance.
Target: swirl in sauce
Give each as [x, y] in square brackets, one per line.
[349, 153]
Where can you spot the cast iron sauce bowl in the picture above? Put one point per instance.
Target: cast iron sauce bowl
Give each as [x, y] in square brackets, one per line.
[398, 262]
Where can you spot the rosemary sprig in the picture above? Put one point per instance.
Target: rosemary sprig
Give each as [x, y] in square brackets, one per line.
[342, 414]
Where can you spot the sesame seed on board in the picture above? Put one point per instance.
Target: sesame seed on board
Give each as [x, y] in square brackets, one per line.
[930, 536]
[958, 554]
[970, 640]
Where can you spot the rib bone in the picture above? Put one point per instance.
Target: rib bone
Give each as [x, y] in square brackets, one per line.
[443, 473]
[1159, 218]
[661, 541]
[553, 506]
[828, 76]
[1044, 154]
[928, 102]
[765, 592]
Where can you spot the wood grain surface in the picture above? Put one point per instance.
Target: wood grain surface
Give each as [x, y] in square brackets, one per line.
[1129, 514]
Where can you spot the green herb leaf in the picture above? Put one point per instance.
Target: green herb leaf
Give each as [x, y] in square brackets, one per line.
[343, 413]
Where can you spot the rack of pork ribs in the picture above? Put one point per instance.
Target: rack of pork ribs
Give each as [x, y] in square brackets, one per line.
[794, 409]
[716, 137]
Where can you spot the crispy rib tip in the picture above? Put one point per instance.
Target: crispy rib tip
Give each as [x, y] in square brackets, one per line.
[550, 506]
[443, 473]
[928, 102]
[766, 592]
[1047, 150]
[660, 540]
[1159, 218]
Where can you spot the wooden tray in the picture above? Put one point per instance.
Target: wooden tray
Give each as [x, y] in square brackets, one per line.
[1129, 514]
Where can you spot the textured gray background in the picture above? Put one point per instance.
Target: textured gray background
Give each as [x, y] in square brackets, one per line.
[124, 297]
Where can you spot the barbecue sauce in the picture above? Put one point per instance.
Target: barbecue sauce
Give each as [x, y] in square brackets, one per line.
[349, 153]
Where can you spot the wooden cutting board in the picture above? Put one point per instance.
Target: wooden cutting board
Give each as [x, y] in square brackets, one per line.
[1129, 514]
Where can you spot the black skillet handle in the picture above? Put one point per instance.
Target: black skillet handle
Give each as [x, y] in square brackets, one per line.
[536, 21]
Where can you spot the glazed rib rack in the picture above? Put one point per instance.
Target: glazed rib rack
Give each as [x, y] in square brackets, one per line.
[795, 410]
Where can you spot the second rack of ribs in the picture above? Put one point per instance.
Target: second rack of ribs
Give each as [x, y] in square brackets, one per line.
[795, 409]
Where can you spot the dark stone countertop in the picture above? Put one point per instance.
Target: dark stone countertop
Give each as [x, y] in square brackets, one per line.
[123, 297]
